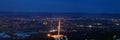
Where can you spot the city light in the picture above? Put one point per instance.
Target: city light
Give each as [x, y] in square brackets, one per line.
[56, 36]
[81, 25]
[53, 30]
[49, 35]
[58, 28]
[90, 26]
[117, 24]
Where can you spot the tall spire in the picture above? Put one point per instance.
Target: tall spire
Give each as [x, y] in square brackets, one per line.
[59, 25]
[58, 36]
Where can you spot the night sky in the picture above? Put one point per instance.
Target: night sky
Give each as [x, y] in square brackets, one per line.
[86, 6]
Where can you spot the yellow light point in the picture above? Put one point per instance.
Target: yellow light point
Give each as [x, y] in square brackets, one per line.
[59, 25]
[57, 36]
[53, 30]
[48, 35]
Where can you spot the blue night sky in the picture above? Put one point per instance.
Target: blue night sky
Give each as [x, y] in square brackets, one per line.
[87, 6]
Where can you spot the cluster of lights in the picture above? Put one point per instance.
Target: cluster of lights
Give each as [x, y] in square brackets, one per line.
[53, 30]
[55, 36]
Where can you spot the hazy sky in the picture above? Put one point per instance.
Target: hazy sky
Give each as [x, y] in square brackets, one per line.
[87, 6]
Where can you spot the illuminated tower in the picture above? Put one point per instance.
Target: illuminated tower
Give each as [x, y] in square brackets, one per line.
[58, 36]
[59, 25]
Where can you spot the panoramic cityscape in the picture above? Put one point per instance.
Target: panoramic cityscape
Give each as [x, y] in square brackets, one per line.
[59, 19]
[92, 27]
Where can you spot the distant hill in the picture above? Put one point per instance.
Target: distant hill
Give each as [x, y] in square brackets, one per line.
[58, 14]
